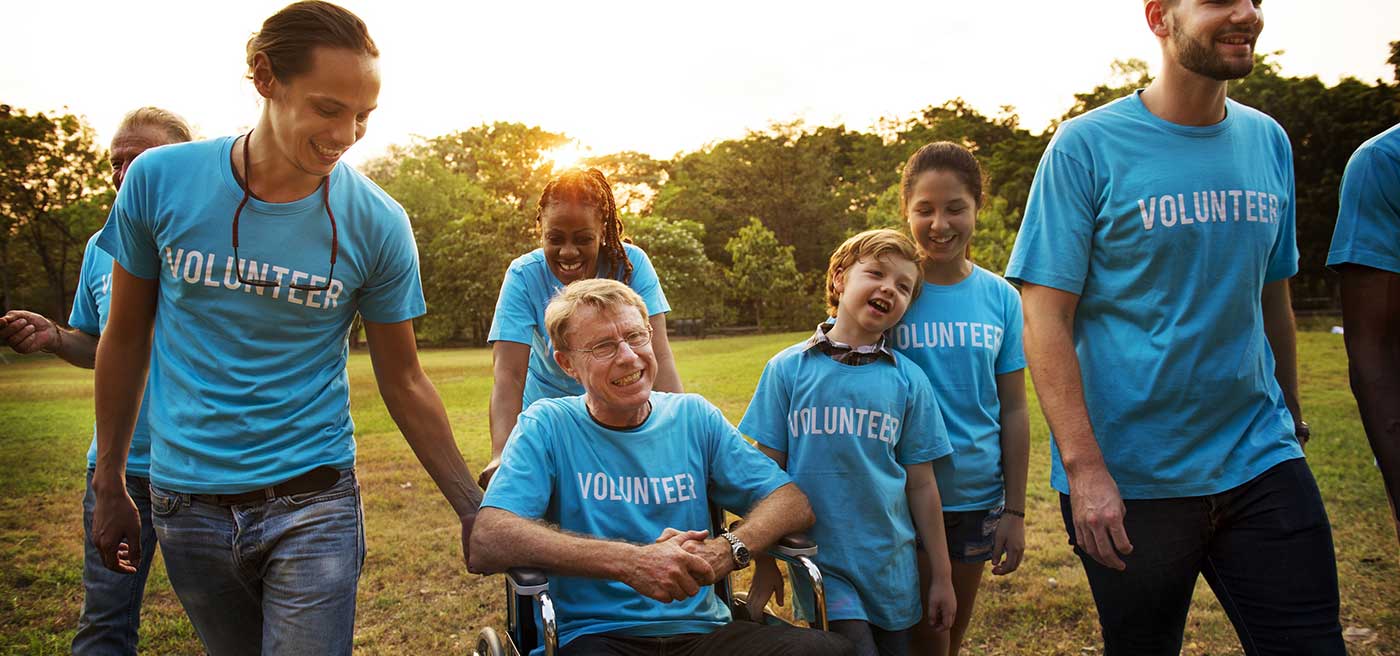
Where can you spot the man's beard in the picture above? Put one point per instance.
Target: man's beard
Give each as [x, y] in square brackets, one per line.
[1203, 60]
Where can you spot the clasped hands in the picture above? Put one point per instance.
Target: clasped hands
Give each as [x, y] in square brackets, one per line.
[678, 563]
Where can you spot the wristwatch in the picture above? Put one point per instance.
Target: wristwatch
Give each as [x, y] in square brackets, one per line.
[741, 554]
[1302, 431]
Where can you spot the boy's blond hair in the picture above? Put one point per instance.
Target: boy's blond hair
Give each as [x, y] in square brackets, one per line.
[600, 293]
[871, 244]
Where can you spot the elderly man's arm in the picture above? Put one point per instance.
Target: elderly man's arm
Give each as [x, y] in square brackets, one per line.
[783, 511]
[662, 571]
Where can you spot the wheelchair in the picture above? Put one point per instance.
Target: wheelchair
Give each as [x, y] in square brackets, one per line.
[527, 597]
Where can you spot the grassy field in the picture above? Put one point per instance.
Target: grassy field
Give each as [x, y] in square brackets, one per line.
[417, 598]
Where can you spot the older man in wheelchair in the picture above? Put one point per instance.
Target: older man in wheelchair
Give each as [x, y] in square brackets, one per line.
[612, 493]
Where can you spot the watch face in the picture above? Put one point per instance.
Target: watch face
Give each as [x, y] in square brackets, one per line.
[741, 554]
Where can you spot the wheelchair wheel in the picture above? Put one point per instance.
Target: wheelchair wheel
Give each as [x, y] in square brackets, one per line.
[489, 644]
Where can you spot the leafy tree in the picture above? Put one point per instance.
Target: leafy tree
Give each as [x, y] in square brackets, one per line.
[1394, 60]
[693, 284]
[794, 179]
[635, 177]
[1007, 152]
[466, 239]
[505, 159]
[995, 234]
[764, 277]
[54, 195]
[1125, 77]
[1325, 126]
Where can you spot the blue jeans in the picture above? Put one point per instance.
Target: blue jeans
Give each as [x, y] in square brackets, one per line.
[276, 577]
[1265, 548]
[112, 601]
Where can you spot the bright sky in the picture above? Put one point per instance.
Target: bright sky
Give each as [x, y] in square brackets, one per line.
[658, 77]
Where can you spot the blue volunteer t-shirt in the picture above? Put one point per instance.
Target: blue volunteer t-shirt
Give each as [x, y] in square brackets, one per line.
[525, 293]
[563, 467]
[1368, 222]
[1168, 234]
[90, 307]
[848, 432]
[248, 384]
[963, 336]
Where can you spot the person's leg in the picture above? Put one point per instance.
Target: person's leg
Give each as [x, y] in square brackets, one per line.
[216, 580]
[111, 615]
[859, 633]
[966, 579]
[971, 539]
[890, 643]
[1272, 565]
[313, 546]
[753, 639]
[1142, 610]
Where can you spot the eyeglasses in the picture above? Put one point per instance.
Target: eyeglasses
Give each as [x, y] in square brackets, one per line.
[609, 350]
[247, 192]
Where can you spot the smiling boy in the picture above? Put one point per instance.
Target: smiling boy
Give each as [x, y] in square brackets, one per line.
[857, 428]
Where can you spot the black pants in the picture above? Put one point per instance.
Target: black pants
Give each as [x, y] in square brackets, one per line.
[734, 639]
[1265, 548]
[871, 640]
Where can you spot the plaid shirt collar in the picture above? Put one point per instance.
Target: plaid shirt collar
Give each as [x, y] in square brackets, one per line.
[845, 353]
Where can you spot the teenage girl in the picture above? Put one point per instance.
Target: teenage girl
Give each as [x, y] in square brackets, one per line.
[964, 331]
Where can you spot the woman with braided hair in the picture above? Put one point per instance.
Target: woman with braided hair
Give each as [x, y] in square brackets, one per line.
[580, 238]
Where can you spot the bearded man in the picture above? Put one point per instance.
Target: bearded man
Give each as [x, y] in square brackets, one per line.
[1154, 260]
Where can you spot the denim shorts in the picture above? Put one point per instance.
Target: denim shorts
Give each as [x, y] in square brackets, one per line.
[972, 534]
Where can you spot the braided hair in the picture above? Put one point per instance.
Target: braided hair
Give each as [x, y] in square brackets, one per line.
[591, 189]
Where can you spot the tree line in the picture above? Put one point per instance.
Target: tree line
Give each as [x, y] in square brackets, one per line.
[739, 230]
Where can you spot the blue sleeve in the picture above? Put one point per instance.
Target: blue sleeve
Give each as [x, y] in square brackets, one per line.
[766, 419]
[740, 475]
[85, 315]
[1283, 258]
[924, 437]
[129, 235]
[514, 317]
[524, 483]
[393, 291]
[1012, 356]
[646, 283]
[1368, 221]
[1053, 246]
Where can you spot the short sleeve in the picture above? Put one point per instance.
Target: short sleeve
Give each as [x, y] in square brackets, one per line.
[393, 291]
[1283, 257]
[1011, 356]
[524, 483]
[1368, 220]
[514, 317]
[646, 283]
[129, 235]
[924, 437]
[85, 315]
[1053, 246]
[740, 475]
[766, 419]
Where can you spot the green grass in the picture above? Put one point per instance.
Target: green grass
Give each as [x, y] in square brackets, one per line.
[417, 598]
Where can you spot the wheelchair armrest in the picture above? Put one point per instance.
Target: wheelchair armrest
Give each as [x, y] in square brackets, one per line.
[794, 545]
[527, 581]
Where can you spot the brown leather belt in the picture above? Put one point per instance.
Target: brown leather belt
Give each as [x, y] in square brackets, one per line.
[318, 479]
